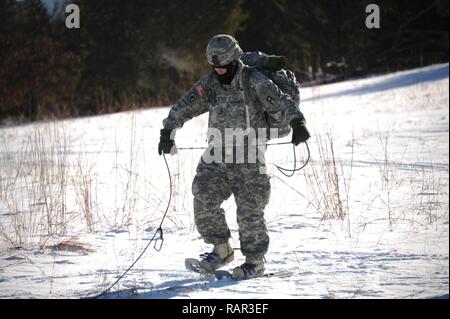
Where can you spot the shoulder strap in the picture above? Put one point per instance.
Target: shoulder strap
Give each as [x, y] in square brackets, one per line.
[244, 83]
[243, 87]
[245, 78]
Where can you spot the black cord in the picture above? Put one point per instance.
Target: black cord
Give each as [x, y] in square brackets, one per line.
[158, 231]
[283, 170]
[204, 148]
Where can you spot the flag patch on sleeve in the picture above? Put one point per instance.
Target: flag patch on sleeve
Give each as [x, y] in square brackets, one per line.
[200, 90]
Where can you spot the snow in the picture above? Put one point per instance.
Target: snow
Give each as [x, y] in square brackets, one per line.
[98, 186]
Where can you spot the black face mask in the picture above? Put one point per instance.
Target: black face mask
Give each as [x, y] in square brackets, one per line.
[229, 75]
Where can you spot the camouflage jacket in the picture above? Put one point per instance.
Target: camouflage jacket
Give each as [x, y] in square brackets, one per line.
[227, 103]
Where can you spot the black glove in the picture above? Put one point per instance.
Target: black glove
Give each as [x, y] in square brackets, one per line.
[275, 62]
[299, 131]
[165, 143]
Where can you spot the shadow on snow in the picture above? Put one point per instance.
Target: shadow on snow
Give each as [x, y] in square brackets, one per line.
[170, 289]
[397, 81]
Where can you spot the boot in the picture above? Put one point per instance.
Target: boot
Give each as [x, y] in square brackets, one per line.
[252, 268]
[221, 255]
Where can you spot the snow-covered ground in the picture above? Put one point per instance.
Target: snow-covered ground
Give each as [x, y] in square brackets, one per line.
[98, 187]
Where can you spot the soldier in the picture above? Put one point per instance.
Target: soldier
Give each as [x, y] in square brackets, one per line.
[222, 93]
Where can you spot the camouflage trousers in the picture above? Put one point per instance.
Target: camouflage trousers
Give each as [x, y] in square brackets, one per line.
[213, 184]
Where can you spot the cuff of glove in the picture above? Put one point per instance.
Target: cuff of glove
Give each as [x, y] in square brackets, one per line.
[297, 122]
[167, 135]
[166, 131]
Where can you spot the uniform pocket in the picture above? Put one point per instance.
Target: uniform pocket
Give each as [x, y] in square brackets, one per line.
[259, 190]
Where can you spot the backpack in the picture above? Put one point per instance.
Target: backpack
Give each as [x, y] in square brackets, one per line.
[287, 83]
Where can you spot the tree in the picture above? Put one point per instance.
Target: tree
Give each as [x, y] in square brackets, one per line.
[34, 66]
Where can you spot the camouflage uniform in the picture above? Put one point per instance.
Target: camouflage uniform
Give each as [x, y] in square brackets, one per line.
[215, 182]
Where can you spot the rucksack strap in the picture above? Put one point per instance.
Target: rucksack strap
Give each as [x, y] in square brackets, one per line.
[244, 83]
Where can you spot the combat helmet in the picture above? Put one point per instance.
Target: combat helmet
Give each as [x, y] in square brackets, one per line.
[222, 49]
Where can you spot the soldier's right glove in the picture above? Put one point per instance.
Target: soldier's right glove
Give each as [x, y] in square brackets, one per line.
[299, 131]
[165, 143]
[276, 62]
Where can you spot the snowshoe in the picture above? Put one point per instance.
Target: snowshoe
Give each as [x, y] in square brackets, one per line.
[248, 271]
[221, 255]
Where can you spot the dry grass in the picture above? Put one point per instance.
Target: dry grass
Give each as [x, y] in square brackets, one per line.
[35, 183]
[34, 188]
[85, 194]
[48, 188]
[71, 245]
[323, 178]
[429, 197]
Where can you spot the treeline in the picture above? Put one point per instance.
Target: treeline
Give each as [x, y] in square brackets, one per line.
[141, 53]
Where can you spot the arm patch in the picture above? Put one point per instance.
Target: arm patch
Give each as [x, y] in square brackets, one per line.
[194, 93]
[192, 96]
[200, 90]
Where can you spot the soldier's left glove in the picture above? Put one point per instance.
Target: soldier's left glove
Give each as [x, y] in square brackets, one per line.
[166, 145]
[299, 131]
[275, 62]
